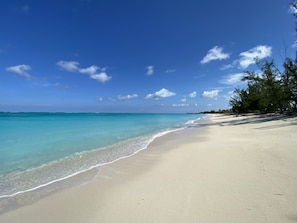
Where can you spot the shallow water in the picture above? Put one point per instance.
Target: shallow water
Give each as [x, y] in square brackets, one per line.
[39, 149]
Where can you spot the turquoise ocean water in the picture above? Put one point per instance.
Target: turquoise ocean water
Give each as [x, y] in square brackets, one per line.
[38, 149]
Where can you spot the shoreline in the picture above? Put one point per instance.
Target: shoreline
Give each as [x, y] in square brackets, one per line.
[68, 144]
[233, 169]
[54, 186]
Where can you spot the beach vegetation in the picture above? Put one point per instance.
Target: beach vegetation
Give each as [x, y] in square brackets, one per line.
[270, 90]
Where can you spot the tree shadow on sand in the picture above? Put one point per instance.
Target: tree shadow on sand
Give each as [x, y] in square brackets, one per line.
[224, 120]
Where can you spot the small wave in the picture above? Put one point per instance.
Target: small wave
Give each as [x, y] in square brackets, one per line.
[125, 149]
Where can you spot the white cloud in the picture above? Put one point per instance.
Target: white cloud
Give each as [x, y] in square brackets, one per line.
[193, 94]
[100, 99]
[20, 70]
[216, 53]
[210, 94]
[163, 93]
[292, 10]
[184, 100]
[127, 97]
[111, 99]
[249, 57]
[59, 85]
[170, 70]
[94, 72]
[232, 79]
[229, 66]
[149, 70]
[226, 67]
[89, 70]
[180, 105]
[100, 77]
[118, 98]
[229, 95]
[71, 66]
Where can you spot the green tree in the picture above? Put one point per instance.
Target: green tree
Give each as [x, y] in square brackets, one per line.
[236, 101]
[264, 92]
[270, 91]
[289, 80]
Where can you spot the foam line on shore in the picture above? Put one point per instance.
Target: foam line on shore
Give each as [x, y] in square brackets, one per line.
[160, 134]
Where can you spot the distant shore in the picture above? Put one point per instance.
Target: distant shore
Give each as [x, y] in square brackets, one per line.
[227, 169]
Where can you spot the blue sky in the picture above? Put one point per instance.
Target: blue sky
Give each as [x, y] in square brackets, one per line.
[134, 55]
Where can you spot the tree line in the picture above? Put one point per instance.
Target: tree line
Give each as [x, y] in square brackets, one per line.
[270, 91]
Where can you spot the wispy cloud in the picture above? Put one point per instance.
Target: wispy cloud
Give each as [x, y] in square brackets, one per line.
[63, 86]
[226, 67]
[94, 72]
[249, 57]
[170, 70]
[216, 53]
[229, 95]
[193, 94]
[118, 98]
[89, 70]
[229, 66]
[180, 105]
[71, 66]
[20, 70]
[232, 79]
[127, 97]
[149, 70]
[45, 83]
[210, 94]
[163, 93]
[100, 99]
[292, 10]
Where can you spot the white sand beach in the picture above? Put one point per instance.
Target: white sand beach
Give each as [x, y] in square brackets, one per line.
[230, 169]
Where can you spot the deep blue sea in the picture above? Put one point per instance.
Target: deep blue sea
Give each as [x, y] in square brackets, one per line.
[38, 149]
